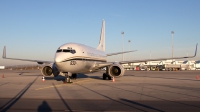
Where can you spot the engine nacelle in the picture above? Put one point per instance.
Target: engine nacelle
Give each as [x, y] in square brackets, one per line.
[115, 70]
[48, 71]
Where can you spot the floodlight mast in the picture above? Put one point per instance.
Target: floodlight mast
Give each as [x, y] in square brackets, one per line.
[129, 41]
[122, 45]
[172, 33]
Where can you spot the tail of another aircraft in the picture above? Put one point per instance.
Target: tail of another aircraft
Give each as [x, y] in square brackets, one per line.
[102, 38]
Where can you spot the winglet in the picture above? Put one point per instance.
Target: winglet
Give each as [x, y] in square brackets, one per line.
[196, 50]
[4, 52]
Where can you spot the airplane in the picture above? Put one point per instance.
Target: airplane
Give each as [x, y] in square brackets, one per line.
[74, 58]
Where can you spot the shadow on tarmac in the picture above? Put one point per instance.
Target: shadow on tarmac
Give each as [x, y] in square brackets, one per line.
[58, 78]
[21, 73]
[142, 94]
[164, 77]
[142, 105]
[86, 76]
[44, 107]
[62, 98]
[10, 103]
[96, 77]
[111, 98]
[169, 86]
[4, 83]
[79, 76]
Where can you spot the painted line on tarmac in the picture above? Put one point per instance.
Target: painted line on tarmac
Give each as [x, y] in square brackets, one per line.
[59, 85]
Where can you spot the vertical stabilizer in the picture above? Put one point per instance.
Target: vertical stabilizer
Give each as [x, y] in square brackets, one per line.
[4, 52]
[102, 38]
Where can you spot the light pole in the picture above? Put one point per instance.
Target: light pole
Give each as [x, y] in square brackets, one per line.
[122, 45]
[172, 33]
[150, 55]
[150, 61]
[129, 41]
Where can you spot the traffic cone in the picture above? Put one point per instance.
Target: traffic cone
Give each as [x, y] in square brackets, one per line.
[113, 79]
[43, 79]
[3, 76]
[197, 77]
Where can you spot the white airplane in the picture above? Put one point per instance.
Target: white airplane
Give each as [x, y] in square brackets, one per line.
[74, 58]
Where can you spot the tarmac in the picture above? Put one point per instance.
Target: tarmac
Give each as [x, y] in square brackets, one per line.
[138, 91]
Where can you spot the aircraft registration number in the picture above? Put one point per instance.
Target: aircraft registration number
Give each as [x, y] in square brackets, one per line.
[73, 63]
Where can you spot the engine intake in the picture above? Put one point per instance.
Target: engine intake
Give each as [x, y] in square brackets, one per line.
[116, 70]
[48, 71]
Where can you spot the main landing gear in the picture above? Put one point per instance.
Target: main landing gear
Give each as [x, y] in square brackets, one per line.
[74, 76]
[105, 76]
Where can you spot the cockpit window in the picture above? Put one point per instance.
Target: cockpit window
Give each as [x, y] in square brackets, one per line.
[59, 50]
[73, 51]
[66, 51]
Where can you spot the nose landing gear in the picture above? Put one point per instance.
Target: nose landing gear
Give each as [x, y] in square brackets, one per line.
[68, 79]
[70, 76]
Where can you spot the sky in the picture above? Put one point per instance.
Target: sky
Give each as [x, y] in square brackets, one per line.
[34, 29]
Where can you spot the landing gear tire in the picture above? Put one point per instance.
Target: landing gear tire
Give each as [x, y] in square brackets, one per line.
[105, 76]
[74, 76]
[68, 79]
[109, 77]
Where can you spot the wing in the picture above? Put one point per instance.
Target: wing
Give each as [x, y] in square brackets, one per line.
[111, 54]
[105, 64]
[145, 60]
[159, 59]
[38, 61]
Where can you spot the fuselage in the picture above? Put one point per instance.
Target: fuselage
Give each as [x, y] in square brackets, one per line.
[78, 58]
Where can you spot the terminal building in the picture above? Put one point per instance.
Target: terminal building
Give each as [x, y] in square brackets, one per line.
[168, 65]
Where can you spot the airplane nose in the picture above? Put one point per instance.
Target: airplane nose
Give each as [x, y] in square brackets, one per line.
[58, 59]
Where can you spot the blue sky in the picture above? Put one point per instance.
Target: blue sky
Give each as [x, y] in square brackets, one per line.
[34, 29]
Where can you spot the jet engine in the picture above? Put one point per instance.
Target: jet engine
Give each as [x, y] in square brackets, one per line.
[116, 70]
[48, 70]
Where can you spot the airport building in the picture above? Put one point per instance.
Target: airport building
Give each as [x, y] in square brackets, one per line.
[168, 65]
[2, 67]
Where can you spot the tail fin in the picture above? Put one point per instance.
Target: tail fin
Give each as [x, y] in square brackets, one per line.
[102, 38]
[4, 52]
